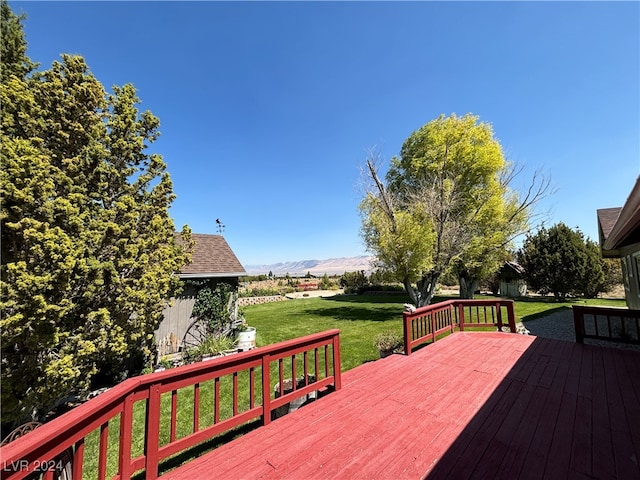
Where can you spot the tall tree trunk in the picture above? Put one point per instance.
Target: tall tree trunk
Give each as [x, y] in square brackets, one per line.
[427, 287]
[424, 290]
[468, 286]
[413, 294]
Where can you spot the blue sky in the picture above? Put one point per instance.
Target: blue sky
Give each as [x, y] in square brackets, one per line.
[267, 109]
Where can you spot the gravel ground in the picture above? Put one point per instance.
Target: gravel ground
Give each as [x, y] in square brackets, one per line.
[559, 326]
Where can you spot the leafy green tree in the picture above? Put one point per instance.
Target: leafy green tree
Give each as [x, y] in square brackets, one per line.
[612, 273]
[447, 199]
[561, 261]
[88, 247]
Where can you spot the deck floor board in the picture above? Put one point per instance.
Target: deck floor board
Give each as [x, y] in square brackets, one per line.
[472, 405]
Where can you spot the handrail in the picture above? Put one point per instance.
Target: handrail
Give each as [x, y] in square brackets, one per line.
[37, 450]
[606, 323]
[427, 323]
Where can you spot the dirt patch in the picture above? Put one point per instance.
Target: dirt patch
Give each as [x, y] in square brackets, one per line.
[616, 292]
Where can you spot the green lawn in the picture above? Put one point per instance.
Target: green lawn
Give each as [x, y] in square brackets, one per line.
[359, 318]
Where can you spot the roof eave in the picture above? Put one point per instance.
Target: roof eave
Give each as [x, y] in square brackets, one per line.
[627, 222]
[212, 275]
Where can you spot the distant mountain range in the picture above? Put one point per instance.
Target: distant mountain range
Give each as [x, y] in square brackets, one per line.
[332, 266]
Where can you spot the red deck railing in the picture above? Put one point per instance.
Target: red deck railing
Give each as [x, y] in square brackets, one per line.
[605, 323]
[427, 323]
[316, 358]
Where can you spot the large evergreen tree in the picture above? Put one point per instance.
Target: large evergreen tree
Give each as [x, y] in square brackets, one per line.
[88, 248]
[561, 261]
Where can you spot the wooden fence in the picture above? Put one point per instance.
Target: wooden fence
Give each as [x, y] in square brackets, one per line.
[427, 323]
[140, 411]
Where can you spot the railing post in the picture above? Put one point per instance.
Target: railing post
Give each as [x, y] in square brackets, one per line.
[126, 427]
[578, 323]
[512, 316]
[406, 321]
[152, 436]
[266, 389]
[337, 373]
[461, 317]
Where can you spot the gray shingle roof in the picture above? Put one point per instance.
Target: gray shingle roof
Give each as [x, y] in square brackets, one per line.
[607, 218]
[212, 257]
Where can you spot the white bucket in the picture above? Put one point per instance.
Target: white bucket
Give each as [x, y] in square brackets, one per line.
[247, 339]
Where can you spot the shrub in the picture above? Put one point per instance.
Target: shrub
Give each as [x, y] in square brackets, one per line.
[388, 341]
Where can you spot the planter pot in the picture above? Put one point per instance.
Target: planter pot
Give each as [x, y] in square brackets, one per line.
[385, 353]
[247, 339]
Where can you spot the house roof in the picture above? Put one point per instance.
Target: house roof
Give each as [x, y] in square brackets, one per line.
[212, 257]
[625, 229]
[606, 220]
[515, 267]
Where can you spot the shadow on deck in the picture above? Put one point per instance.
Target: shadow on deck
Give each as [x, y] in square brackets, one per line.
[473, 405]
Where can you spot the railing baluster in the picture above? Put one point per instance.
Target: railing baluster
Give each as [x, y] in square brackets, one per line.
[326, 361]
[196, 407]
[216, 401]
[174, 415]
[78, 460]
[252, 388]
[293, 372]
[235, 393]
[305, 363]
[102, 451]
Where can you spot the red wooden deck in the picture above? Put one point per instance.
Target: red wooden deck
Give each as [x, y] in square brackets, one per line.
[473, 405]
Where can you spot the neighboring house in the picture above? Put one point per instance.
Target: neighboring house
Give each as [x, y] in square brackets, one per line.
[512, 282]
[619, 231]
[212, 262]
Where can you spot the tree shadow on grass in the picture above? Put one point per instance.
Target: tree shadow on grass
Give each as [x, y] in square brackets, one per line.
[360, 308]
[353, 313]
[546, 313]
[400, 299]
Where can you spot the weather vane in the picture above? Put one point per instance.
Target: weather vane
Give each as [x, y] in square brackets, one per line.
[220, 226]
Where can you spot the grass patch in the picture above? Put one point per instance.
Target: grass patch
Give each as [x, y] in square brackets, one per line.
[359, 318]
